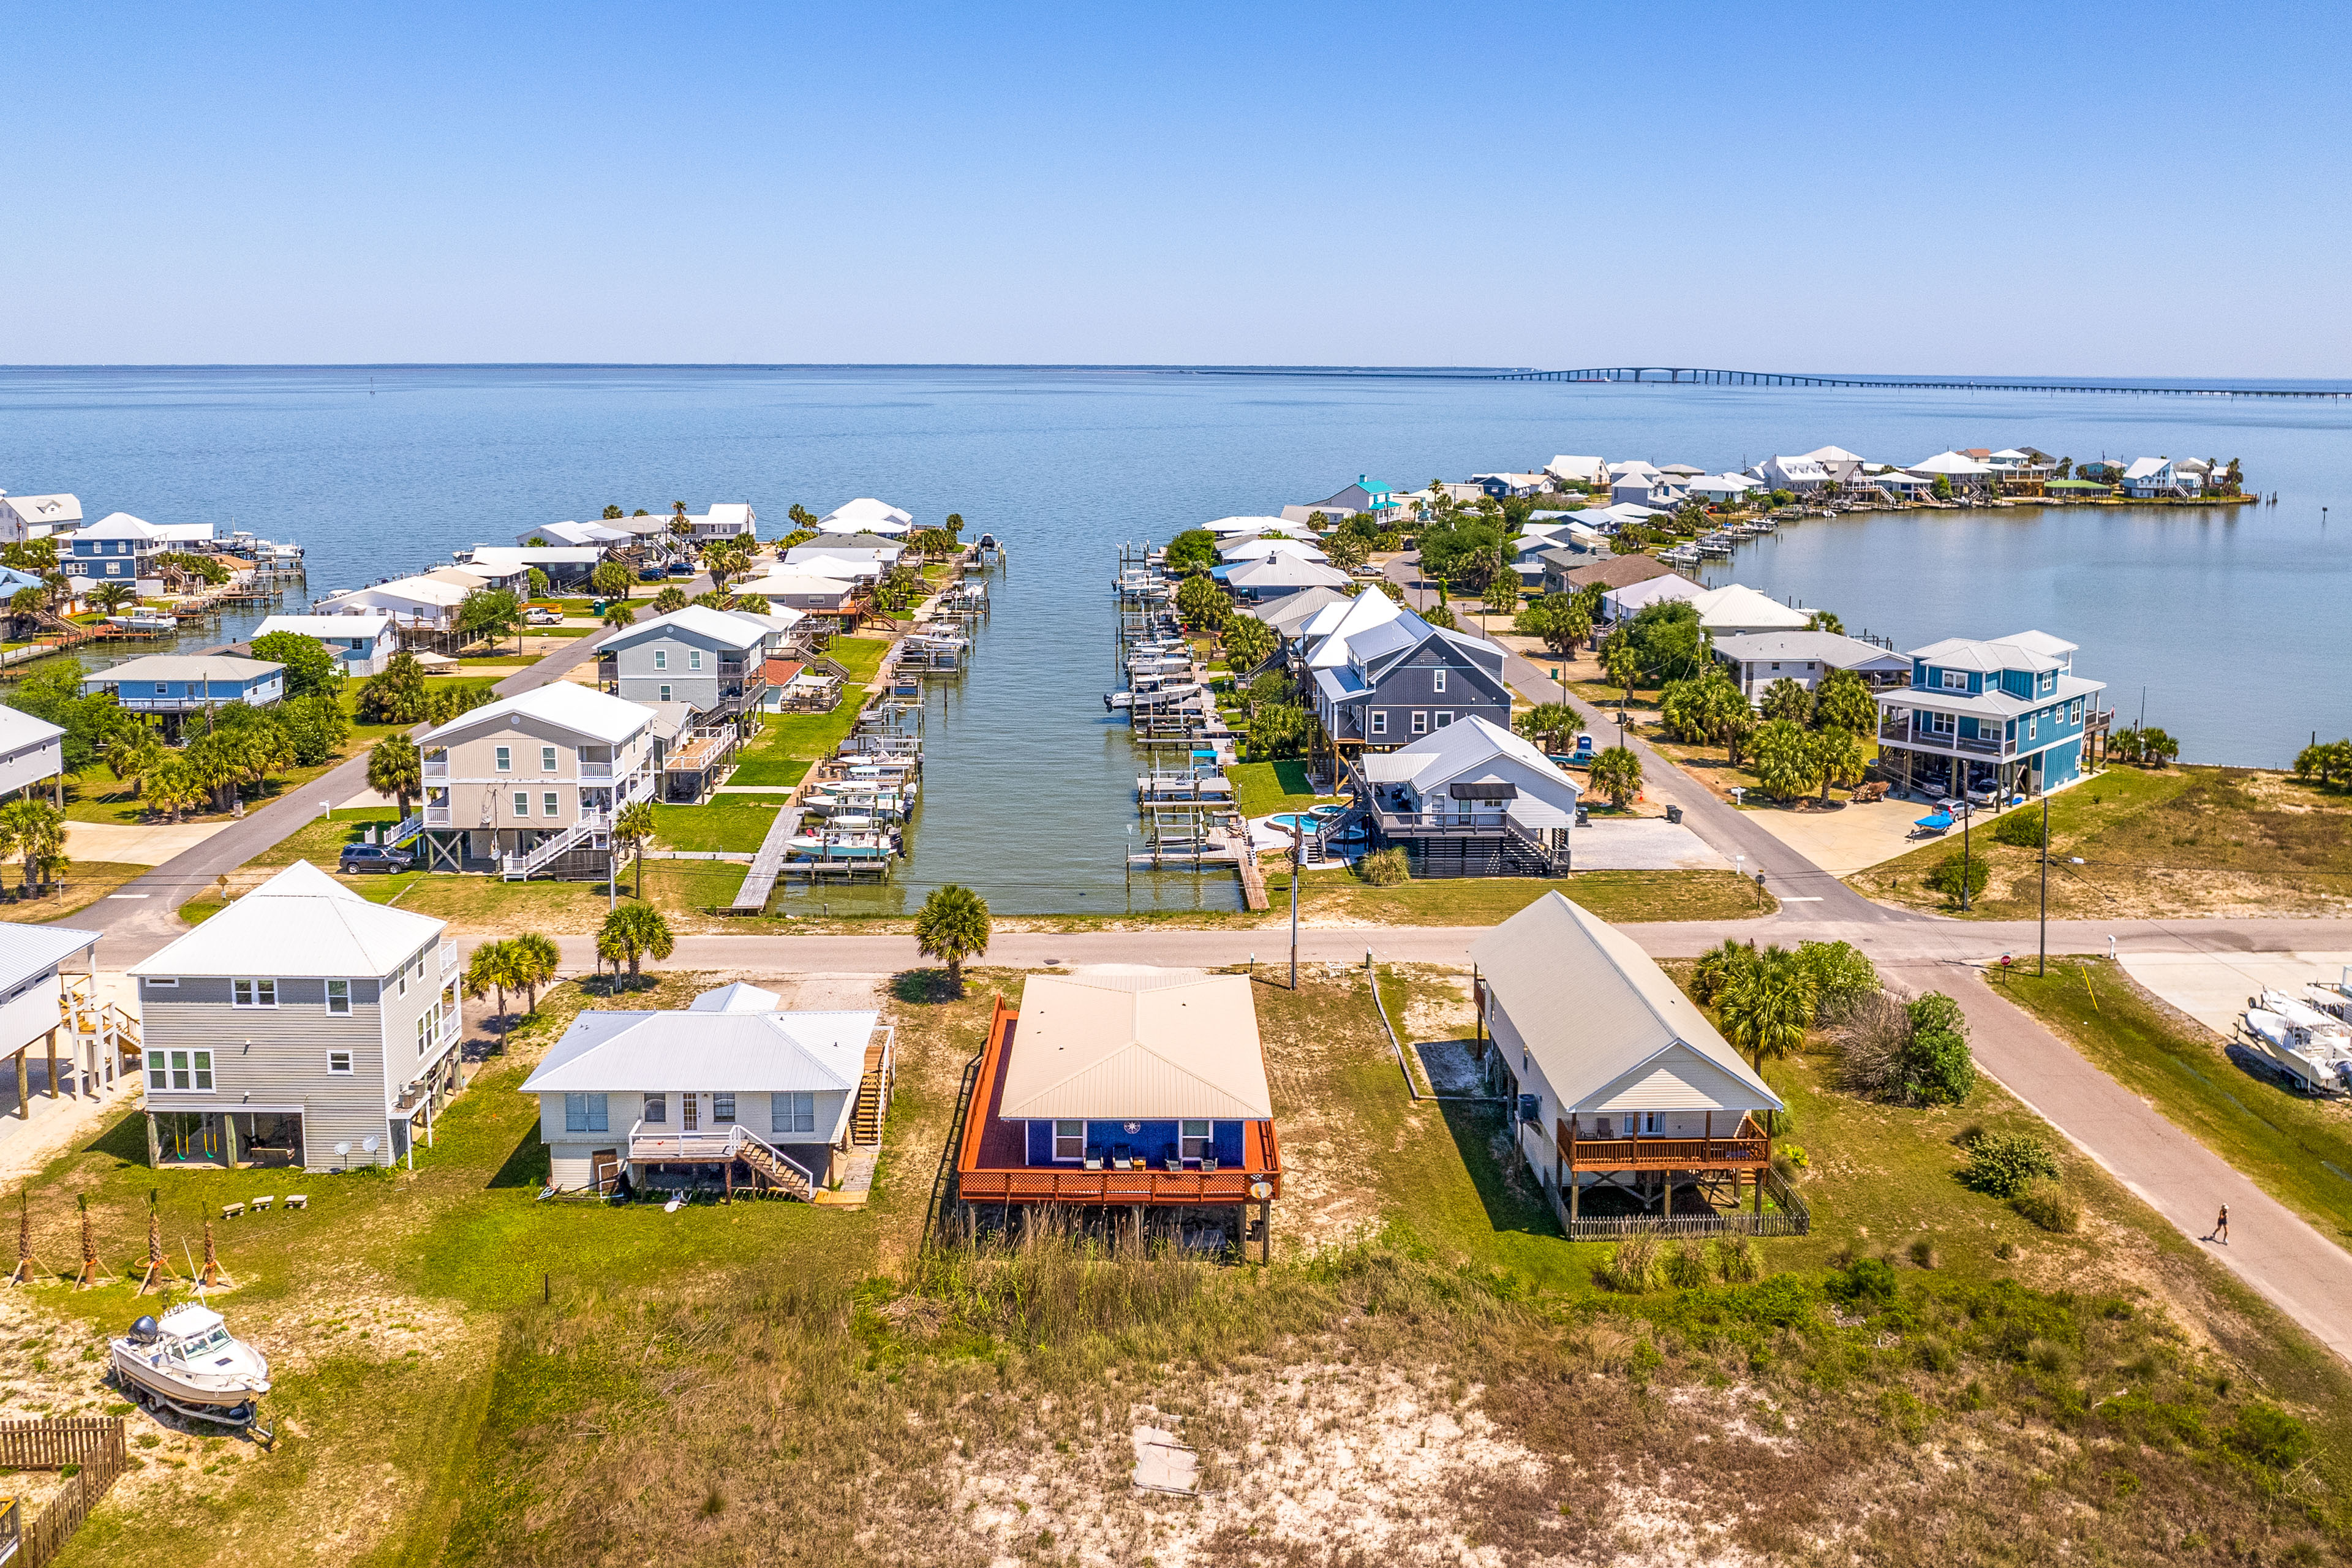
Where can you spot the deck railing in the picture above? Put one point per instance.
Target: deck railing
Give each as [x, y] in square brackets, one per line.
[1668, 1153]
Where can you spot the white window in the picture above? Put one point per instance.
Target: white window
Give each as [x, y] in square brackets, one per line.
[792, 1113]
[585, 1113]
[722, 1107]
[1069, 1139]
[661, 659]
[338, 1061]
[1955, 680]
[521, 804]
[161, 689]
[1437, 681]
[657, 1108]
[1379, 721]
[549, 805]
[2074, 714]
[179, 1069]
[253, 993]
[694, 659]
[1444, 718]
[339, 998]
[2033, 725]
[1197, 1139]
[1420, 722]
[505, 763]
[665, 694]
[547, 759]
[1939, 723]
[424, 1028]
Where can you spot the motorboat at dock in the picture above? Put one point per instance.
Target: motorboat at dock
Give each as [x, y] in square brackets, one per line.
[188, 1361]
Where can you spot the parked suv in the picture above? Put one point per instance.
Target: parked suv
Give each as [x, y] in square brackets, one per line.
[374, 857]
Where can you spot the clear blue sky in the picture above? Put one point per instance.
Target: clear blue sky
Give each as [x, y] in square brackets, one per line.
[2118, 189]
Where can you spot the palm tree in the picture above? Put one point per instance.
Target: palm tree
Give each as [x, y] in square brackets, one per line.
[490, 970]
[1552, 725]
[1620, 665]
[131, 752]
[395, 768]
[632, 933]
[618, 616]
[536, 960]
[36, 830]
[669, 601]
[1766, 1004]
[111, 596]
[1617, 773]
[612, 579]
[632, 826]
[951, 926]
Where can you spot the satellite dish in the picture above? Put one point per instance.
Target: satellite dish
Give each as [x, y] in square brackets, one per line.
[369, 1146]
[343, 1149]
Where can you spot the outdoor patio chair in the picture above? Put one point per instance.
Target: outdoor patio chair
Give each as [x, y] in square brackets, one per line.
[1208, 1164]
[1174, 1163]
[1094, 1162]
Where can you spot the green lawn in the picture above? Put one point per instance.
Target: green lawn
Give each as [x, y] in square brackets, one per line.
[322, 839]
[2284, 1143]
[1339, 896]
[771, 772]
[1261, 789]
[730, 822]
[862, 657]
[84, 883]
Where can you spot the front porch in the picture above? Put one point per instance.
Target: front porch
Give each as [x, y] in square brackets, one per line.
[1673, 1184]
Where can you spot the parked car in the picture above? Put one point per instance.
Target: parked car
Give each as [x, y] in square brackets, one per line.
[650, 574]
[681, 568]
[543, 617]
[359, 857]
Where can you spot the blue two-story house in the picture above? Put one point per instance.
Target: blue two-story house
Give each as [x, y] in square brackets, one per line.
[1381, 676]
[1990, 722]
[117, 548]
[172, 686]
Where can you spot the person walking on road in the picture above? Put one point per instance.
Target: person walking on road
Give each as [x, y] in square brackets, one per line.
[2220, 1231]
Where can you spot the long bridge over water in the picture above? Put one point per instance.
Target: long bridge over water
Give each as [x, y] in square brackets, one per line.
[1689, 375]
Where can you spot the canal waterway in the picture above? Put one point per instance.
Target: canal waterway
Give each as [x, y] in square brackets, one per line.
[2238, 621]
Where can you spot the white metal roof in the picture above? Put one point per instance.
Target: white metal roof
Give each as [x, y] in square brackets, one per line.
[564, 704]
[1584, 470]
[26, 950]
[419, 589]
[18, 728]
[736, 1049]
[1144, 1043]
[1950, 463]
[182, 667]
[720, 627]
[1595, 1013]
[1832, 648]
[1987, 654]
[54, 510]
[1736, 604]
[1285, 572]
[864, 512]
[368, 627]
[1463, 748]
[299, 923]
[1258, 549]
[794, 582]
[118, 525]
[2044, 644]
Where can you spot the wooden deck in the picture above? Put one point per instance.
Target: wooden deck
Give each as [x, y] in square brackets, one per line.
[1747, 1147]
[992, 1165]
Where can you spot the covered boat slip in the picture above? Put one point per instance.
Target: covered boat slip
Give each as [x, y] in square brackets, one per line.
[1163, 1171]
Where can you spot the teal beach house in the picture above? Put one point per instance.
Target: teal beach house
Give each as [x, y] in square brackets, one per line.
[1992, 722]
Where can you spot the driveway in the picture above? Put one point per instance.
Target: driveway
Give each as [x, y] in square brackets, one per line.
[2213, 987]
[136, 843]
[1850, 837]
[1642, 843]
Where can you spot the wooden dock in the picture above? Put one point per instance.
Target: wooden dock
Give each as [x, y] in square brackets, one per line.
[760, 881]
[1253, 896]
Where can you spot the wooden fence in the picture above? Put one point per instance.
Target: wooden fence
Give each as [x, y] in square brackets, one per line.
[92, 1446]
[1789, 1216]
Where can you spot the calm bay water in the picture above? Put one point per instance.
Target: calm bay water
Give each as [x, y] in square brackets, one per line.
[2238, 621]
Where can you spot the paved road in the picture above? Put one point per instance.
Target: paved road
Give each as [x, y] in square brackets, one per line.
[140, 918]
[2305, 1274]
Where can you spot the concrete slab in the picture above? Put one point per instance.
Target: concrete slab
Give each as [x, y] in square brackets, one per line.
[2212, 987]
[1853, 836]
[136, 843]
[1642, 844]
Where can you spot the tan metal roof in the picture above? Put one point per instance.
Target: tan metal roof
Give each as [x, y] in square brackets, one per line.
[1592, 1008]
[1121, 1045]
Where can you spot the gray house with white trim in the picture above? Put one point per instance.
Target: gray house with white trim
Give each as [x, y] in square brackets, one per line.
[301, 1026]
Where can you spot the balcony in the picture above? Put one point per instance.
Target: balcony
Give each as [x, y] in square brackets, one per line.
[1747, 1147]
[596, 772]
[448, 956]
[437, 773]
[436, 817]
[1920, 735]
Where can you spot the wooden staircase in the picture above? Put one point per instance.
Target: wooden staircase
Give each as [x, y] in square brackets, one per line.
[872, 1098]
[777, 1168]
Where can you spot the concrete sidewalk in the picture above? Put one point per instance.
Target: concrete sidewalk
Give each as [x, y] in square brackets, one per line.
[2297, 1270]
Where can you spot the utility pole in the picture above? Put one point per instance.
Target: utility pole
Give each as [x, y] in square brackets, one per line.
[1298, 861]
[1967, 865]
[2042, 963]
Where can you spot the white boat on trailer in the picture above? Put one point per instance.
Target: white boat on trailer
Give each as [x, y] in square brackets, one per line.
[187, 1362]
[2309, 1047]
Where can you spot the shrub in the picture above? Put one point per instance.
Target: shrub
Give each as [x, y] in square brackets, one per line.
[1632, 1265]
[1913, 1053]
[1796, 1156]
[2006, 1251]
[1841, 976]
[2050, 1359]
[2021, 828]
[1934, 1355]
[2269, 1435]
[1938, 1069]
[1946, 878]
[1384, 868]
[2050, 1207]
[1739, 1260]
[1687, 1266]
[1923, 1254]
[1865, 1284]
[2002, 1165]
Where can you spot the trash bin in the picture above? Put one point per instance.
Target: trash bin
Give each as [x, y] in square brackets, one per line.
[1674, 814]
[1581, 818]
